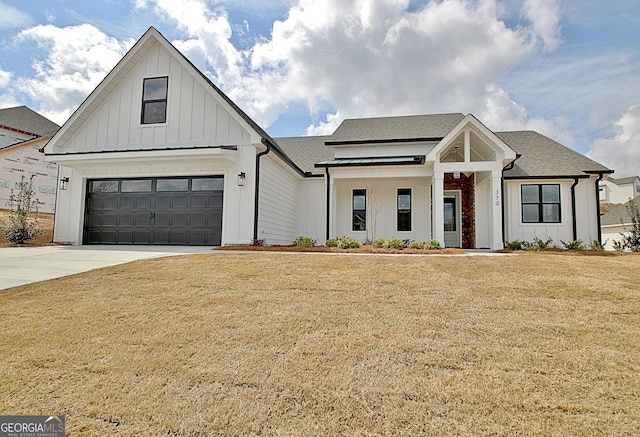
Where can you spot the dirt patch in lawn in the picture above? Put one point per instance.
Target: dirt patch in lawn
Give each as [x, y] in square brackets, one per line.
[45, 223]
[310, 344]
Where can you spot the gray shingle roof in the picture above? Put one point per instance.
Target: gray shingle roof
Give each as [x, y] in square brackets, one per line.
[306, 151]
[619, 215]
[396, 128]
[27, 120]
[622, 181]
[541, 156]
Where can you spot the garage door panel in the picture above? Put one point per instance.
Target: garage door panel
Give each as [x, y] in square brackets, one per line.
[179, 217]
[109, 203]
[138, 202]
[125, 237]
[180, 202]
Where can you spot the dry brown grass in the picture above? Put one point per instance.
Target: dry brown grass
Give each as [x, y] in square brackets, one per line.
[45, 224]
[316, 344]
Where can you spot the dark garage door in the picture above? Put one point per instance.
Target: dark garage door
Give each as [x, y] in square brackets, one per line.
[180, 211]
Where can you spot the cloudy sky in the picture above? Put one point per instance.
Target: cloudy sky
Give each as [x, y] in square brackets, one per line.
[569, 69]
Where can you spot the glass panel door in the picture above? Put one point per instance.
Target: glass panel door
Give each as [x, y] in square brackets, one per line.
[452, 228]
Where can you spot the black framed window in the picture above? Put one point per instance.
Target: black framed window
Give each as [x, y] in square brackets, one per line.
[404, 209]
[154, 100]
[541, 203]
[359, 222]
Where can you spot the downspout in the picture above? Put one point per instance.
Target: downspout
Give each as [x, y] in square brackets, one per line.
[599, 220]
[573, 209]
[257, 189]
[326, 169]
[504, 210]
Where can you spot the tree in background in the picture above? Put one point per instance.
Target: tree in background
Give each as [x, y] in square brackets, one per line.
[22, 223]
[631, 237]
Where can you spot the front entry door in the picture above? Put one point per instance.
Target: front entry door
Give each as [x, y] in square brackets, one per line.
[452, 228]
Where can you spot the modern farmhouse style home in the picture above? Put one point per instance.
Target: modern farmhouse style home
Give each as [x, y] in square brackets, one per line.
[157, 154]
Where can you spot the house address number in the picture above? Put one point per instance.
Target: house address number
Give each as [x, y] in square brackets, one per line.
[497, 197]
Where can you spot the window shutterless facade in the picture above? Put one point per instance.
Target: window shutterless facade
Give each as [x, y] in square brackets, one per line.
[540, 203]
[404, 209]
[359, 217]
[154, 100]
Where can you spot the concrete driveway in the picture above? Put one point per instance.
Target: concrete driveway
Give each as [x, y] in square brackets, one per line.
[25, 265]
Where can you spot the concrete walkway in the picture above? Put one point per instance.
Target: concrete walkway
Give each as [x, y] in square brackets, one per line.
[25, 265]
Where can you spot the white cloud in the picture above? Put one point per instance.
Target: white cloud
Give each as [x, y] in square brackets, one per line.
[374, 57]
[209, 33]
[5, 78]
[622, 152]
[544, 16]
[13, 18]
[501, 113]
[339, 58]
[7, 99]
[77, 59]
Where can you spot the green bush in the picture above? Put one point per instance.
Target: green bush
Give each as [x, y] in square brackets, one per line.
[573, 245]
[515, 244]
[431, 245]
[22, 223]
[393, 243]
[348, 243]
[379, 243]
[332, 242]
[597, 245]
[538, 244]
[415, 245]
[631, 237]
[305, 242]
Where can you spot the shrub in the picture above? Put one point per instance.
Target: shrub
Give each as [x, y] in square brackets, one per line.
[379, 243]
[22, 223]
[348, 243]
[415, 245]
[515, 244]
[431, 245]
[631, 237]
[332, 242]
[259, 242]
[597, 245]
[305, 242]
[538, 244]
[573, 245]
[393, 243]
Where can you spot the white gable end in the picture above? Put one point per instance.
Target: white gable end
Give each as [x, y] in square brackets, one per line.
[471, 143]
[111, 120]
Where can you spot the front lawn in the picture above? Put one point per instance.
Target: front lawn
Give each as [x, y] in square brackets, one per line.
[328, 344]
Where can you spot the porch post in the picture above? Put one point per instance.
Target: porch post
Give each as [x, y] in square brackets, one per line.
[496, 211]
[438, 207]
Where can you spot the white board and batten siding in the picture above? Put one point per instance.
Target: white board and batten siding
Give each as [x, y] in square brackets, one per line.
[278, 202]
[586, 223]
[195, 115]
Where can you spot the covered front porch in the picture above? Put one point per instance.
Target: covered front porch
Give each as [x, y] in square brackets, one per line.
[456, 209]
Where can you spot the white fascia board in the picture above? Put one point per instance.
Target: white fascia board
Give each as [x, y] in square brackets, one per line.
[71, 160]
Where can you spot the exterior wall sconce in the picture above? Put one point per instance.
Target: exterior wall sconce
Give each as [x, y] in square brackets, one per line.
[242, 178]
[456, 175]
[63, 183]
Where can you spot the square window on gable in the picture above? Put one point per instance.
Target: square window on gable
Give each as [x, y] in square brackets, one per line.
[154, 100]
